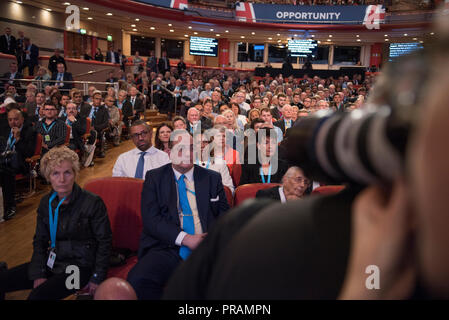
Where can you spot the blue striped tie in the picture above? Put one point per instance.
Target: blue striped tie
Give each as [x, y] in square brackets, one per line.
[187, 216]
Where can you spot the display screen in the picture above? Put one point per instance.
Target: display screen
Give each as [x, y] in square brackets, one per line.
[303, 48]
[399, 49]
[203, 46]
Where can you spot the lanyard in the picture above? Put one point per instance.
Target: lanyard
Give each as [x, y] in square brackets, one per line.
[207, 165]
[45, 126]
[53, 222]
[69, 122]
[11, 141]
[263, 176]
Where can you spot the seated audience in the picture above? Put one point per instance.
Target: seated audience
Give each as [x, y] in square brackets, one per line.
[136, 162]
[115, 123]
[286, 122]
[162, 139]
[294, 186]
[171, 231]
[80, 236]
[179, 123]
[52, 129]
[99, 115]
[62, 75]
[16, 144]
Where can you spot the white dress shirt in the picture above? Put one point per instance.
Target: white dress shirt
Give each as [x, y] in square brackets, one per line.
[282, 195]
[126, 163]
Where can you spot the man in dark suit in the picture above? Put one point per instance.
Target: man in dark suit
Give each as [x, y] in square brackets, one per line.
[12, 74]
[54, 60]
[30, 56]
[34, 110]
[21, 138]
[180, 203]
[151, 63]
[294, 186]
[286, 122]
[338, 103]
[112, 56]
[8, 42]
[78, 125]
[163, 63]
[121, 59]
[62, 75]
[136, 102]
[100, 119]
[194, 122]
[276, 112]
[111, 79]
[127, 108]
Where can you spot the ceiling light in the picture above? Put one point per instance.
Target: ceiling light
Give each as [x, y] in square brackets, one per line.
[211, 29]
[318, 41]
[432, 33]
[169, 24]
[405, 34]
[330, 36]
[358, 40]
[313, 36]
[358, 36]
[195, 32]
[227, 31]
[171, 30]
[186, 35]
[86, 8]
[415, 39]
[134, 29]
[279, 40]
[190, 27]
[278, 34]
[65, 3]
[48, 9]
[385, 35]
[20, 2]
[137, 19]
[270, 38]
[253, 33]
[109, 14]
[152, 28]
[328, 39]
[421, 41]
[295, 35]
[89, 18]
[243, 37]
[387, 39]
[217, 35]
[133, 25]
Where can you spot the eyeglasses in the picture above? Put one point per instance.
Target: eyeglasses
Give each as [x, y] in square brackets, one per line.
[301, 180]
[137, 135]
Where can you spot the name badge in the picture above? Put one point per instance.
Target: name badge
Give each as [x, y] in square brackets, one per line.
[47, 138]
[51, 259]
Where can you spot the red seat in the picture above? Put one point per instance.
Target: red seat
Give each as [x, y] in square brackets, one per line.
[122, 198]
[229, 196]
[248, 191]
[328, 190]
[67, 135]
[236, 173]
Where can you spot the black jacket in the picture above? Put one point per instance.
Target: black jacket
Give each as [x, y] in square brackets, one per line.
[161, 65]
[272, 193]
[251, 173]
[66, 77]
[101, 120]
[53, 63]
[83, 238]
[4, 45]
[78, 130]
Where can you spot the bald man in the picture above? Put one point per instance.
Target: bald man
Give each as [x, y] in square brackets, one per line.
[115, 289]
[16, 144]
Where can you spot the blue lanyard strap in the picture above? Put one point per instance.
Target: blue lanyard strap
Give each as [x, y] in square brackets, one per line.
[45, 127]
[262, 176]
[11, 141]
[53, 221]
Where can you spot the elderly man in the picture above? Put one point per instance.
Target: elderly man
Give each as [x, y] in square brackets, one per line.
[294, 186]
[62, 75]
[180, 203]
[287, 122]
[21, 138]
[136, 162]
[206, 93]
[77, 125]
[240, 99]
[195, 123]
[323, 105]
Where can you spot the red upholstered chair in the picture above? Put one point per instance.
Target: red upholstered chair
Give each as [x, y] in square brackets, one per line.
[229, 196]
[236, 173]
[122, 198]
[324, 190]
[67, 135]
[248, 191]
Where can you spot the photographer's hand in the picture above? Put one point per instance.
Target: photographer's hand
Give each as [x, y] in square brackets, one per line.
[381, 236]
